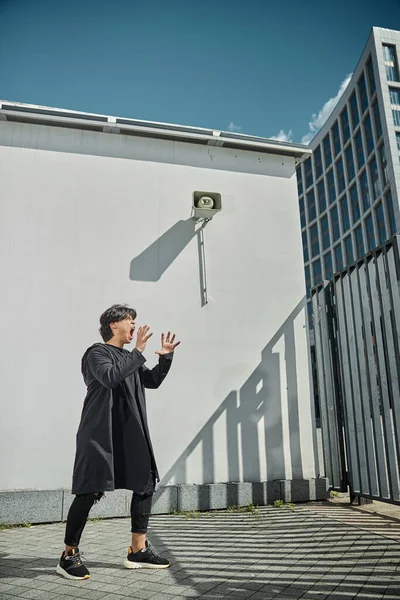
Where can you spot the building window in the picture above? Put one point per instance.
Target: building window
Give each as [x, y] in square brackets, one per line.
[358, 235]
[344, 119]
[396, 117]
[350, 163]
[308, 172]
[380, 223]
[377, 119]
[371, 77]
[374, 174]
[390, 213]
[344, 209]
[390, 58]
[326, 239]
[318, 162]
[328, 265]
[388, 53]
[359, 150]
[362, 88]
[398, 140]
[299, 181]
[314, 240]
[365, 195]
[369, 138]
[369, 228]
[331, 186]
[340, 175]
[310, 319]
[335, 223]
[355, 119]
[307, 277]
[394, 96]
[312, 209]
[338, 257]
[348, 246]
[327, 151]
[321, 196]
[305, 246]
[395, 102]
[302, 212]
[355, 205]
[384, 165]
[317, 274]
[336, 138]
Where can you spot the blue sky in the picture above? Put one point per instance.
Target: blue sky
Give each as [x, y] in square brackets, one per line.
[255, 66]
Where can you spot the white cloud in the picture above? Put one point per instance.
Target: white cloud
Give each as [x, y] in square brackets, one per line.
[232, 127]
[282, 136]
[317, 120]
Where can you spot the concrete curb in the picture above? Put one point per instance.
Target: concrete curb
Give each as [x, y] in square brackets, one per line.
[48, 506]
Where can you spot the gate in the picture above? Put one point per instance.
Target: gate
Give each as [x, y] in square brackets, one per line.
[357, 336]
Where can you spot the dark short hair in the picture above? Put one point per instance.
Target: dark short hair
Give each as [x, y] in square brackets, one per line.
[117, 312]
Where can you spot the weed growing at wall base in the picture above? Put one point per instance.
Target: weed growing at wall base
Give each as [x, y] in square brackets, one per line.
[4, 526]
[189, 514]
[281, 504]
[250, 508]
[195, 514]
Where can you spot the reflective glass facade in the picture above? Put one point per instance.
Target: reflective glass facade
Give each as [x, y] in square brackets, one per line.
[349, 189]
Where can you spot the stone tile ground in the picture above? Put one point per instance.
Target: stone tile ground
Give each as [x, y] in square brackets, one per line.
[309, 553]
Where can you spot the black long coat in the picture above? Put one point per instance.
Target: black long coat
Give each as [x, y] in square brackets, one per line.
[113, 446]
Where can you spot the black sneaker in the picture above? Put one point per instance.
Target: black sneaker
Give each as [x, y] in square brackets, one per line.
[71, 566]
[145, 559]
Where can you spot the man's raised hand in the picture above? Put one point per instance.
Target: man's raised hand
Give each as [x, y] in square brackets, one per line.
[168, 344]
[142, 337]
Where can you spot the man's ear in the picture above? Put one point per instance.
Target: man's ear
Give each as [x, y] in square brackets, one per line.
[113, 326]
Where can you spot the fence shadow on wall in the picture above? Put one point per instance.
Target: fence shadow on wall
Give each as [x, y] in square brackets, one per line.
[260, 399]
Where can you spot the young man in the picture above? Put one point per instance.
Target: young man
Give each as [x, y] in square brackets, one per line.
[113, 449]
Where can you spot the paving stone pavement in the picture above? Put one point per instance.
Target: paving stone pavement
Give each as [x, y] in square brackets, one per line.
[308, 554]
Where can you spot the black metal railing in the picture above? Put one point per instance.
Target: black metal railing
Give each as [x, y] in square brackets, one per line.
[357, 342]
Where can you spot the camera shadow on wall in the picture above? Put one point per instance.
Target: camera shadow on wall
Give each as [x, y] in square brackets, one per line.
[151, 264]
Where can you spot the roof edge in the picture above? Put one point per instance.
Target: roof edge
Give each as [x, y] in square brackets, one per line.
[33, 113]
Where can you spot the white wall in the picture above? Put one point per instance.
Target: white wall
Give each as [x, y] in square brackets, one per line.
[80, 216]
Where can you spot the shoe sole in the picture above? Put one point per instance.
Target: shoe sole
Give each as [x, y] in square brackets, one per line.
[64, 573]
[128, 564]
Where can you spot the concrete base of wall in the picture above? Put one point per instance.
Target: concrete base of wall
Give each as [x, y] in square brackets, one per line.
[48, 506]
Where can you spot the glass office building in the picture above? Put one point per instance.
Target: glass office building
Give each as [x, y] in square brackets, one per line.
[349, 189]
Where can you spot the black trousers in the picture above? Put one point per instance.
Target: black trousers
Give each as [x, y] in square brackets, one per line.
[80, 508]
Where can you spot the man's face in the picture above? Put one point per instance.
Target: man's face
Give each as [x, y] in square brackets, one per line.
[123, 330]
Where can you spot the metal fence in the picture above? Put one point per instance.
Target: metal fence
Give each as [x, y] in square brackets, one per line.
[357, 334]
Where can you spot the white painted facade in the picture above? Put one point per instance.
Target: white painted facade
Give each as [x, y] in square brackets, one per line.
[88, 219]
